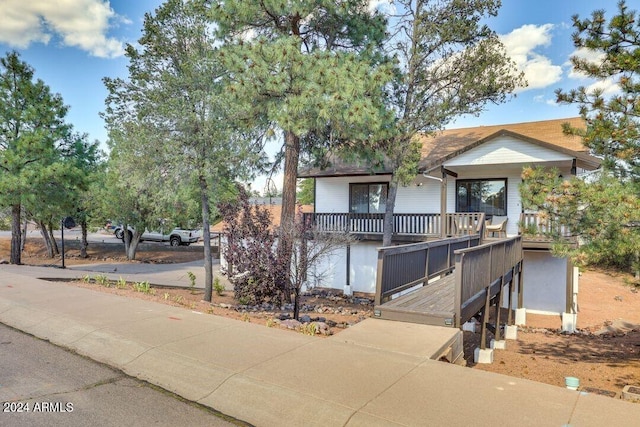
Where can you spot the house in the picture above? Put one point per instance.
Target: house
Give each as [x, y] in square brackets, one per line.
[461, 170]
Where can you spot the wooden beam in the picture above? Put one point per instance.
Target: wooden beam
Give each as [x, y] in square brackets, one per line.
[569, 286]
[485, 319]
[348, 265]
[448, 172]
[520, 286]
[443, 204]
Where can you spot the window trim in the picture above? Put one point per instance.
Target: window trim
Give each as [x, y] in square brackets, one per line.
[506, 191]
[351, 184]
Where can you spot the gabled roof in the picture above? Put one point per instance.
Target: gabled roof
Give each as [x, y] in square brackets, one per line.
[447, 144]
[450, 143]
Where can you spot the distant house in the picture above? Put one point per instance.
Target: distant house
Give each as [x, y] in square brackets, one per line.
[462, 170]
[272, 204]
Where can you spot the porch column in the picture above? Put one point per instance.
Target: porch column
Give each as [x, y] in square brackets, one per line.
[443, 204]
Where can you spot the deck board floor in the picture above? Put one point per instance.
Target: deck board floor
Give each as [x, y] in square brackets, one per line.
[430, 304]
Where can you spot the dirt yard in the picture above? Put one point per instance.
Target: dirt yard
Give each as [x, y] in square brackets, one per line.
[604, 355]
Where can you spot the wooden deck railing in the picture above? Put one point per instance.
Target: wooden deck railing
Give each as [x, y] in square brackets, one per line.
[481, 272]
[536, 226]
[403, 267]
[425, 224]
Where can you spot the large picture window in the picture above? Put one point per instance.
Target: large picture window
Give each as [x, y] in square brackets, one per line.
[367, 198]
[482, 195]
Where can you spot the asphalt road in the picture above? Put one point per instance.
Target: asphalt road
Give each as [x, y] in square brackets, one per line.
[44, 385]
[73, 234]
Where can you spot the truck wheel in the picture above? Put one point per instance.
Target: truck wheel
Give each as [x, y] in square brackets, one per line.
[174, 241]
[120, 233]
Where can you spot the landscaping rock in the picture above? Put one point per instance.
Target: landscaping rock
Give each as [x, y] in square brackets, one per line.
[322, 328]
[290, 324]
[305, 319]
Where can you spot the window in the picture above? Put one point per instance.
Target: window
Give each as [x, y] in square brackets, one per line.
[367, 198]
[482, 195]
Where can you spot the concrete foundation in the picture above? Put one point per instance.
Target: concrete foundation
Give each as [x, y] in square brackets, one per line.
[521, 316]
[470, 326]
[511, 332]
[631, 393]
[347, 290]
[569, 322]
[498, 345]
[483, 356]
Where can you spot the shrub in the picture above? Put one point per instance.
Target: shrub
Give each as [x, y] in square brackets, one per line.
[218, 287]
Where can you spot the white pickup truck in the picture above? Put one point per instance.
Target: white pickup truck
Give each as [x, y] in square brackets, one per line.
[176, 237]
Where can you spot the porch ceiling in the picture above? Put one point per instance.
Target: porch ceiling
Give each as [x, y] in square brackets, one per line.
[501, 169]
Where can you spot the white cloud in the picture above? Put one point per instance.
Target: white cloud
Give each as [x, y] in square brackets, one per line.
[382, 5]
[78, 23]
[521, 44]
[548, 101]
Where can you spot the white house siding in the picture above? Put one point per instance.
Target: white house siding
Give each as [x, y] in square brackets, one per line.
[507, 150]
[331, 271]
[421, 196]
[332, 194]
[545, 282]
[364, 263]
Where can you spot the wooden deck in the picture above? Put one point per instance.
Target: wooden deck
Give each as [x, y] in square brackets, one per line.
[430, 305]
[457, 283]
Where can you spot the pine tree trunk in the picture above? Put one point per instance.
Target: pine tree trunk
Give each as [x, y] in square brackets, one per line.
[46, 237]
[206, 237]
[387, 234]
[84, 244]
[287, 217]
[16, 235]
[23, 238]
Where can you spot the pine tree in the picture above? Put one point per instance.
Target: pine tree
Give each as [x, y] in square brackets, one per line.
[613, 130]
[31, 127]
[306, 67]
[610, 227]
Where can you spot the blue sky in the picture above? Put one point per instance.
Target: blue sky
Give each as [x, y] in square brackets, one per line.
[73, 44]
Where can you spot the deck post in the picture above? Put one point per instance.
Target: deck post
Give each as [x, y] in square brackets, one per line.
[378, 299]
[485, 318]
[498, 336]
[457, 272]
[510, 305]
[520, 286]
[521, 313]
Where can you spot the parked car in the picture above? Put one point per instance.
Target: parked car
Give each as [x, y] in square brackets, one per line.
[176, 237]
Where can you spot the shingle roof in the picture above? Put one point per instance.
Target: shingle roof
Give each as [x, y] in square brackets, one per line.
[450, 143]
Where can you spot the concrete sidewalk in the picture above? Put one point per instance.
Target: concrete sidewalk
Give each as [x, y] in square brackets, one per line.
[377, 373]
